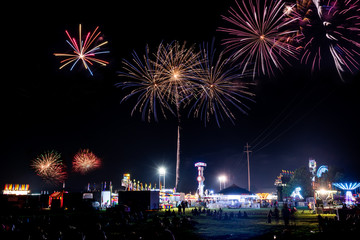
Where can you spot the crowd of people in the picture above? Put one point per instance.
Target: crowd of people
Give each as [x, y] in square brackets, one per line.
[287, 214]
[118, 223]
[346, 221]
[218, 214]
[113, 224]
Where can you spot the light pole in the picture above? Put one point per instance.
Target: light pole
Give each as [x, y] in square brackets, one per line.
[222, 179]
[162, 172]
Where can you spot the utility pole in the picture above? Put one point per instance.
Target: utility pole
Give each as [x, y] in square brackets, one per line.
[248, 163]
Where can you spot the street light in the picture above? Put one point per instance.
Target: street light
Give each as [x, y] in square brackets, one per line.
[162, 172]
[222, 179]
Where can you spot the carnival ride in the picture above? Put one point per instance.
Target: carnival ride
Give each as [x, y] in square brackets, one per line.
[348, 187]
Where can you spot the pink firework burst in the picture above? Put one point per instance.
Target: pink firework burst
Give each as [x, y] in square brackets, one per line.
[260, 35]
[85, 161]
[330, 35]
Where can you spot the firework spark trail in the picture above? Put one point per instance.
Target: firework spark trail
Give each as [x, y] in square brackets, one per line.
[85, 161]
[218, 85]
[318, 7]
[49, 167]
[83, 50]
[260, 36]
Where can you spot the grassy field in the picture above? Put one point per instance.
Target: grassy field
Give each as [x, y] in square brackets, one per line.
[255, 226]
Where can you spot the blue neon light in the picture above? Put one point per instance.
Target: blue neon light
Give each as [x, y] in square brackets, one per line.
[347, 186]
[322, 169]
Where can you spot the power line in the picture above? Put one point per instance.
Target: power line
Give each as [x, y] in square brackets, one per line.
[273, 121]
[278, 117]
[297, 121]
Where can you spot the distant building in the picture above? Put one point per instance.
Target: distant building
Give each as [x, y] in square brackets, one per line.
[16, 189]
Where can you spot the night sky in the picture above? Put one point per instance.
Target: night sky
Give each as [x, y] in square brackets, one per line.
[297, 114]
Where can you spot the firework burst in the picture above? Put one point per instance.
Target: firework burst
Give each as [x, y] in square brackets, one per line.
[331, 32]
[148, 82]
[260, 36]
[218, 87]
[178, 66]
[162, 79]
[85, 161]
[84, 51]
[49, 167]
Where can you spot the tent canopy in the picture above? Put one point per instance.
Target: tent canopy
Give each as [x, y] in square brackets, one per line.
[235, 190]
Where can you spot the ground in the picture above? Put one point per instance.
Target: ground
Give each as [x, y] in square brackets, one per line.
[255, 226]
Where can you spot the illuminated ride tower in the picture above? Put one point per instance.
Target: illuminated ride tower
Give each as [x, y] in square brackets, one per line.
[200, 178]
[312, 168]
